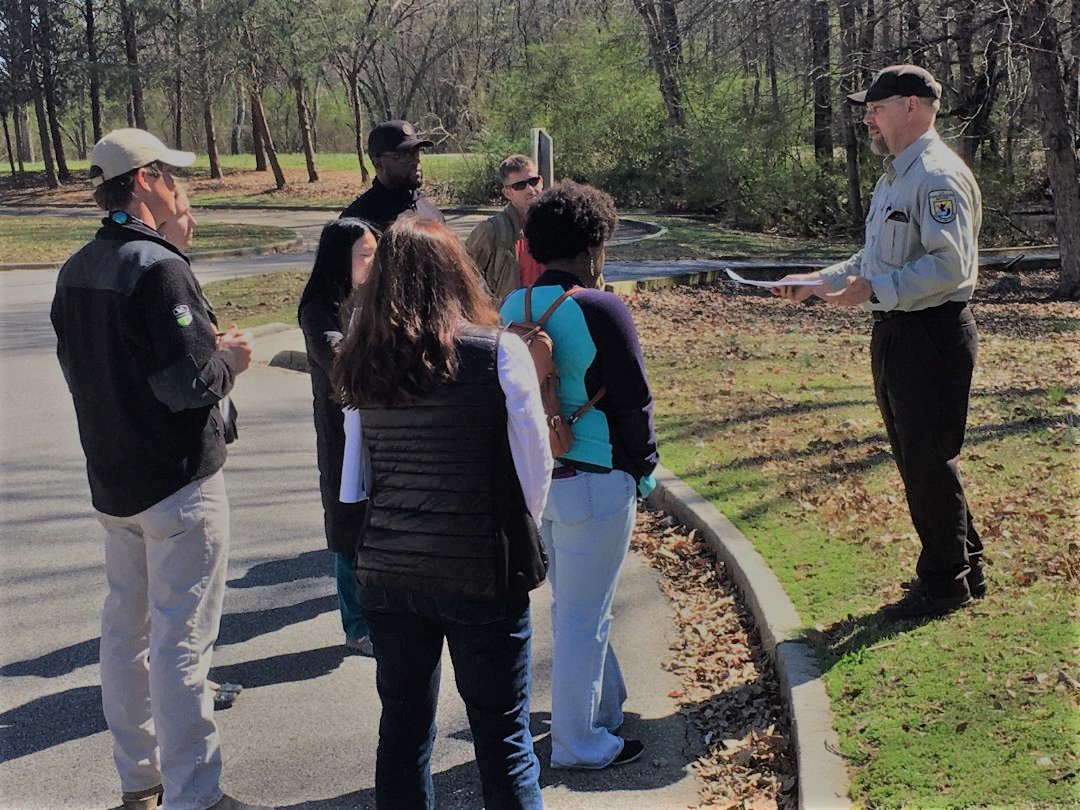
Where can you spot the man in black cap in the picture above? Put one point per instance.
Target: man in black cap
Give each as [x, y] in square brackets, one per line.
[394, 148]
[916, 273]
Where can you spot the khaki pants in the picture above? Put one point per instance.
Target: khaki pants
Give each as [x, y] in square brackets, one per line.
[166, 573]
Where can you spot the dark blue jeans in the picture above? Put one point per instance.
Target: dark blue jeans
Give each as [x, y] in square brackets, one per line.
[490, 645]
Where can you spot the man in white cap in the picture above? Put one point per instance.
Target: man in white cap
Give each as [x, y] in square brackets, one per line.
[915, 274]
[147, 369]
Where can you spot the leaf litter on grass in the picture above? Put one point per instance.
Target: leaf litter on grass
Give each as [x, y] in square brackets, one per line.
[768, 409]
[729, 691]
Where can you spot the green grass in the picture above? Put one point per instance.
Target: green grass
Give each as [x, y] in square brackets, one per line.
[769, 413]
[690, 238]
[256, 300]
[53, 239]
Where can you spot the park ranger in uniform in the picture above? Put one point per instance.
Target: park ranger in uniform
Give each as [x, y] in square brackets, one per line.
[916, 272]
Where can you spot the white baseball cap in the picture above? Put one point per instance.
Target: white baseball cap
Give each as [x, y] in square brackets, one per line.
[124, 150]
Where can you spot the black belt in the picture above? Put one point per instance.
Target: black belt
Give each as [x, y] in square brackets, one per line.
[948, 308]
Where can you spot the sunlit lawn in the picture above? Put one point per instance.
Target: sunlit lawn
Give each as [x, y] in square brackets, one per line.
[768, 411]
[53, 239]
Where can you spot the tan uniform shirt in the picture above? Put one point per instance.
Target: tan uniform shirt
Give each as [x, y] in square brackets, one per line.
[922, 231]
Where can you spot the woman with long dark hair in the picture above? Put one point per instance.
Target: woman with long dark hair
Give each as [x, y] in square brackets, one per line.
[591, 507]
[342, 263]
[460, 466]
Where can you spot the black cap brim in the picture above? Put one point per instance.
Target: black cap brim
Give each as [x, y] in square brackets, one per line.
[412, 143]
[858, 98]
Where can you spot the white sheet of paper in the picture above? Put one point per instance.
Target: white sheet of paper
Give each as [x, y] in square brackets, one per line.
[794, 282]
[354, 464]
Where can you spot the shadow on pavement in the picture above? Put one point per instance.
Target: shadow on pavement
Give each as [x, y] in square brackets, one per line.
[56, 663]
[51, 720]
[285, 668]
[310, 564]
[246, 625]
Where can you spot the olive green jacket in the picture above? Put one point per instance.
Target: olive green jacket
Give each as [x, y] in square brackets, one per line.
[491, 245]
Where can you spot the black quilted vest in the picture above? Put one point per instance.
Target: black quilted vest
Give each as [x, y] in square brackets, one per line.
[446, 504]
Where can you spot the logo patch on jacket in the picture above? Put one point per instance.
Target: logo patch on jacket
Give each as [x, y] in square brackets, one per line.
[943, 206]
[182, 313]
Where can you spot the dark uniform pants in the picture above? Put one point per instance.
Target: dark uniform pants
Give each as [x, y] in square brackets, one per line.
[922, 364]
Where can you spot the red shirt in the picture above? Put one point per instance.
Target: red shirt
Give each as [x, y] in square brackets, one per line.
[530, 268]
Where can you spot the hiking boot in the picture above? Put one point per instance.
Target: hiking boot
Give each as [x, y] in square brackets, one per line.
[142, 799]
[227, 802]
[919, 602]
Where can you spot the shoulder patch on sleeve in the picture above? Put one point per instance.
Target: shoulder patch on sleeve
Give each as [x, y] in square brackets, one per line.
[942, 205]
[182, 313]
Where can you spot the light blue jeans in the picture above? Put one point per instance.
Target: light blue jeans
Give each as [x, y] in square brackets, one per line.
[586, 527]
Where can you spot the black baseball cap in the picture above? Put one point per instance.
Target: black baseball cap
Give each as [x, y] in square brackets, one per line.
[394, 136]
[899, 80]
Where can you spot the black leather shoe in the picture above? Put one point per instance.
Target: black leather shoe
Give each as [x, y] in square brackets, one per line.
[919, 602]
[631, 750]
[976, 582]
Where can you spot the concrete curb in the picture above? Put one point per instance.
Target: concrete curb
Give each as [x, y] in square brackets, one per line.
[823, 778]
[224, 253]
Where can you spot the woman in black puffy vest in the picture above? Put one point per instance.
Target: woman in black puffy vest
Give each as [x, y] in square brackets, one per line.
[460, 466]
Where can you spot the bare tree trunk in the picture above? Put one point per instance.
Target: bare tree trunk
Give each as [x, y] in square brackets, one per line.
[819, 47]
[665, 49]
[314, 117]
[256, 137]
[49, 89]
[866, 36]
[849, 77]
[1040, 38]
[203, 67]
[304, 124]
[1072, 75]
[93, 70]
[131, 48]
[913, 31]
[239, 113]
[23, 144]
[178, 73]
[258, 118]
[7, 140]
[35, 89]
[770, 65]
[358, 125]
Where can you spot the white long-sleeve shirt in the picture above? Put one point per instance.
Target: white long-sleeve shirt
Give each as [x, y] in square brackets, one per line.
[526, 428]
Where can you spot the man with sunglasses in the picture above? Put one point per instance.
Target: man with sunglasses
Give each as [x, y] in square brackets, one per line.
[498, 244]
[915, 274]
[147, 369]
[395, 149]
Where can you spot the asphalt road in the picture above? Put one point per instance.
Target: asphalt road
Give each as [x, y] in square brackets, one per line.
[303, 733]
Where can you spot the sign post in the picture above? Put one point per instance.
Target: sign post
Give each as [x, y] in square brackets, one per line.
[543, 155]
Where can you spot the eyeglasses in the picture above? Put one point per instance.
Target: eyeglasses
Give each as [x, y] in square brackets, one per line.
[520, 184]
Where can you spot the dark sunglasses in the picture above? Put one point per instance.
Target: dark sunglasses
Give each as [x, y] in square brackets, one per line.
[520, 184]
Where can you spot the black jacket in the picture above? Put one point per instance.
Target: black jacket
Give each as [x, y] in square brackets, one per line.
[447, 514]
[380, 205]
[318, 316]
[136, 341]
